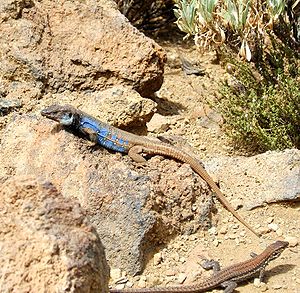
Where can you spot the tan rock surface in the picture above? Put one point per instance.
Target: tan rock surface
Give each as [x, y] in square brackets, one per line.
[75, 45]
[47, 244]
[140, 205]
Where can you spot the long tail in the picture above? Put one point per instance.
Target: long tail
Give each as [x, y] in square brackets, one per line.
[170, 151]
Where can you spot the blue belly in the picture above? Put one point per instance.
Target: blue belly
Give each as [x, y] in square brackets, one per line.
[105, 135]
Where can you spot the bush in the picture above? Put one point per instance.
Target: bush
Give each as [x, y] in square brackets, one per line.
[259, 114]
[261, 103]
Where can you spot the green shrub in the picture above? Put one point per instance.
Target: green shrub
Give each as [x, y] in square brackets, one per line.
[260, 115]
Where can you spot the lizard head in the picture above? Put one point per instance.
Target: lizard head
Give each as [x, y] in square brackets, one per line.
[277, 248]
[65, 115]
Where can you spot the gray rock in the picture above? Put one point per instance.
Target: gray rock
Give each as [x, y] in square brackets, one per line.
[119, 106]
[265, 178]
[7, 106]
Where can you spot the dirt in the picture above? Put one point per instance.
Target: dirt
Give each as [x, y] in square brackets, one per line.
[185, 98]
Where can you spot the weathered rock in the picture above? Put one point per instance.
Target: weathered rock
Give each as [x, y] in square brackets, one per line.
[266, 178]
[131, 207]
[119, 106]
[47, 244]
[7, 106]
[159, 123]
[75, 45]
[13, 8]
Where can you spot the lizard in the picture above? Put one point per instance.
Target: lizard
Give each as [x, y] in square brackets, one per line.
[227, 277]
[134, 145]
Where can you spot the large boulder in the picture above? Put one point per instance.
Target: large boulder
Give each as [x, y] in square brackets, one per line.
[133, 207]
[47, 243]
[53, 46]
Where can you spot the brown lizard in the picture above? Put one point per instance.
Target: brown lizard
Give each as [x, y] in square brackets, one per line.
[227, 277]
[134, 145]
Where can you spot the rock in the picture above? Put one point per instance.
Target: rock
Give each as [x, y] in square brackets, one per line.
[273, 226]
[158, 123]
[181, 278]
[142, 282]
[75, 45]
[157, 258]
[13, 8]
[292, 240]
[279, 232]
[47, 243]
[119, 106]
[119, 286]
[115, 274]
[8, 105]
[211, 119]
[132, 207]
[265, 178]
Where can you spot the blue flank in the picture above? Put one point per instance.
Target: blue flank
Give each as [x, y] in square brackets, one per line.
[103, 133]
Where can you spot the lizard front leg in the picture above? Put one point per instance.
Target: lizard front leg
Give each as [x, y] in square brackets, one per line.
[229, 285]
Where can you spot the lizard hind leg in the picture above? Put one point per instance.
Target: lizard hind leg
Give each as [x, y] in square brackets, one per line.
[211, 264]
[229, 286]
[134, 154]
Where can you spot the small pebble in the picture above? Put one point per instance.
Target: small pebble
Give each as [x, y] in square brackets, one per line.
[120, 286]
[170, 272]
[216, 242]
[257, 226]
[263, 230]
[263, 287]
[223, 230]
[213, 231]
[270, 220]
[243, 233]
[257, 282]
[232, 236]
[129, 284]
[181, 278]
[115, 274]
[279, 232]
[235, 226]
[142, 282]
[157, 258]
[182, 260]
[274, 227]
[293, 241]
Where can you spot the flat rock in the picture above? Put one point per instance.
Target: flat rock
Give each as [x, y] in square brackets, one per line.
[47, 243]
[266, 178]
[61, 45]
[133, 207]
